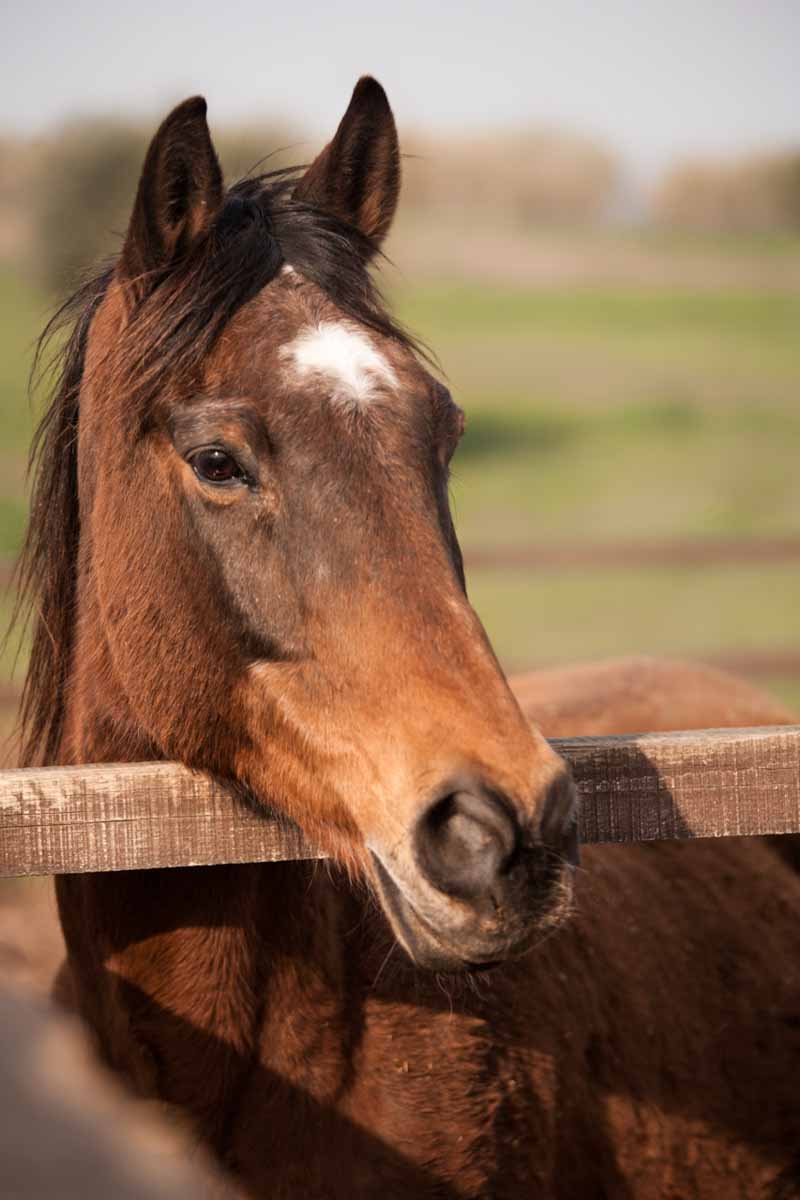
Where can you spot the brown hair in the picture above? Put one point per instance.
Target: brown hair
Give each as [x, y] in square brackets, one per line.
[171, 329]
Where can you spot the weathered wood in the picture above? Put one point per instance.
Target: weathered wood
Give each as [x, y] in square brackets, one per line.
[119, 817]
[645, 787]
[695, 784]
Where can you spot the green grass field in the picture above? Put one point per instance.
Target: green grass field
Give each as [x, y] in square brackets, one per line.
[592, 413]
[637, 412]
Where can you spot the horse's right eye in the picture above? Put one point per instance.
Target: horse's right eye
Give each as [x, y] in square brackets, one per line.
[216, 466]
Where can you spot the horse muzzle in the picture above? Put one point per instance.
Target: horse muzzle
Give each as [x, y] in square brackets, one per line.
[474, 885]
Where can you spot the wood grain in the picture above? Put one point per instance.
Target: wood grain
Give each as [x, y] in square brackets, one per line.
[645, 787]
[696, 784]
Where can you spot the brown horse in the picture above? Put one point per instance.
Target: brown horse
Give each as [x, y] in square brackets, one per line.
[241, 556]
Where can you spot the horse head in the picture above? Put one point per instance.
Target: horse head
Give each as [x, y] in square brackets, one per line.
[268, 583]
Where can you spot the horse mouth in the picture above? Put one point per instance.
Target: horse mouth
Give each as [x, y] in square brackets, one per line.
[470, 943]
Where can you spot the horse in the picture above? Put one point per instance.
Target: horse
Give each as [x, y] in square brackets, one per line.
[241, 556]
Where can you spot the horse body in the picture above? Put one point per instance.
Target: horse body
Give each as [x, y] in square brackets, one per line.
[649, 1048]
[243, 557]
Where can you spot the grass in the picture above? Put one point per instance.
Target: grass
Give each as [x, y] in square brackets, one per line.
[637, 413]
[596, 613]
[609, 414]
[601, 350]
[24, 311]
[595, 413]
[787, 690]
[693, 613]
[649, 470]
[755, 318]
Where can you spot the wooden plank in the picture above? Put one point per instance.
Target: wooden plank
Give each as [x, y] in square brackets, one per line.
[694, 784]
[643, 787]
[118, 817]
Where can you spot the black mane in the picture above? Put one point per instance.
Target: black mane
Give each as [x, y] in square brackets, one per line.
[172, 328]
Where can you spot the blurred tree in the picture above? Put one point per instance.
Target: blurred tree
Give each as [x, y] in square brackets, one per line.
[757, 193]
[18, 159]
[81, 193]
[82, 197]
[527, 177]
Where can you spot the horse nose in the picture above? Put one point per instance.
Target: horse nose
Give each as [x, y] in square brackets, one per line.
[466, 840]
[470, 840]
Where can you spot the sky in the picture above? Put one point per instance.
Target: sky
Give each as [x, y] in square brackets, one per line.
[656, 80]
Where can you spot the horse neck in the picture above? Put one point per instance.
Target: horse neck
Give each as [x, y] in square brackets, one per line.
[187, 974]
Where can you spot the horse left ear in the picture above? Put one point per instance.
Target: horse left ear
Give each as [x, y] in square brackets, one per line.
[357, 175]
[180, 193]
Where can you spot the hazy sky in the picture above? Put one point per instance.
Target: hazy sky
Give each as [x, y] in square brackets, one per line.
[654, 78]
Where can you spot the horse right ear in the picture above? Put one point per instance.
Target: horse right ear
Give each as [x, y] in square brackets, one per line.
[180, 193]
[357, 176]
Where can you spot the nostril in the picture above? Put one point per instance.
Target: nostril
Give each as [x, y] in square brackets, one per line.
[558, 821]
[465, 841]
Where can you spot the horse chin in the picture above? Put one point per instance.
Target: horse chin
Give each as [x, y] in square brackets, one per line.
[468, 949]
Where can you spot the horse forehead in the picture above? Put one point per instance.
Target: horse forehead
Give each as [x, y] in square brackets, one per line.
[345, 356]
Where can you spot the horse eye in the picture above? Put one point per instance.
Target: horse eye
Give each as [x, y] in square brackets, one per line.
[216, 466]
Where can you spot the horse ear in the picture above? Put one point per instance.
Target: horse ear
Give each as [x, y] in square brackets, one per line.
[179, 195]
[357, 175]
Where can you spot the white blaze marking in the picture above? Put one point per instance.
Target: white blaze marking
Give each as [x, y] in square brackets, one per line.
[343, 354]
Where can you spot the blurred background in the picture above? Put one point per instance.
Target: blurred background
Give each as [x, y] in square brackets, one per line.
[599, 237]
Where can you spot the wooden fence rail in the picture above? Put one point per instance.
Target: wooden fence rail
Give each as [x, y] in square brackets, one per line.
[645, 787]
